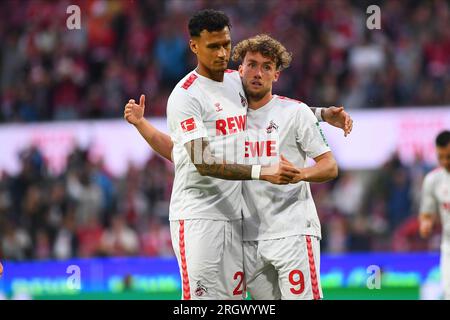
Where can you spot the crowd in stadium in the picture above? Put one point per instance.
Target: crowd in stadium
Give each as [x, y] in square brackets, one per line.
[48, 72]
[133, 47]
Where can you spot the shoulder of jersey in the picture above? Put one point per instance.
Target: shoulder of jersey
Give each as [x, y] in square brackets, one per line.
[232, 74]
[188, 82]
[290, 104]
[435, 172]
[288, 101]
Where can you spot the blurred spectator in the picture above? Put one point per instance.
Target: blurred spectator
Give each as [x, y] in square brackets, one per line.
[156, 240]
[16, 243]
[86, 195]
[90, 237]
[125, 48]
[119, 239]
[66, 241]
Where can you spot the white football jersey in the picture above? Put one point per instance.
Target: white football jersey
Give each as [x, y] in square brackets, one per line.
[436, 200]
[288, 127]
[200, 107]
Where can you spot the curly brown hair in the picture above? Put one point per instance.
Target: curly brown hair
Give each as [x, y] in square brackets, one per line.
[267, 46]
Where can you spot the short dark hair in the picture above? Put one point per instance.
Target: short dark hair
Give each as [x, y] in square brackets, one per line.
[209, 20]
[443, 139]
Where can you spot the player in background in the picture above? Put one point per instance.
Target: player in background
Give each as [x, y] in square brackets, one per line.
[218, 126]
[436, 201]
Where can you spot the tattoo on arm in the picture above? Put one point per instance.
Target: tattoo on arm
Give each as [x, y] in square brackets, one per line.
[208, 165]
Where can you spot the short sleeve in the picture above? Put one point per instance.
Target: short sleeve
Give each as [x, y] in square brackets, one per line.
[185, 118]
[309, 135]
[428, 201]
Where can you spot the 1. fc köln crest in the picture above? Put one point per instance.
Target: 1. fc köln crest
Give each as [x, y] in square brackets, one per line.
[243, 100]
[272, 126]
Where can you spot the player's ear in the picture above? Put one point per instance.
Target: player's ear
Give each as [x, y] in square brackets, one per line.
[193, 45]
[277, 75]
[241, 70]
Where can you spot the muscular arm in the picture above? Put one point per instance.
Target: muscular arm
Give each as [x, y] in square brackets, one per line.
[159, 141]
[207, 165]
[323, 170]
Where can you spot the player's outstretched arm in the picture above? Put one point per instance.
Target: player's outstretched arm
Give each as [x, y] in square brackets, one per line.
[208, 165]
[159, 141]
[336, 117]
[323, 170]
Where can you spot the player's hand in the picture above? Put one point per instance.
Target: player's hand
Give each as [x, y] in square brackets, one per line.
[299, 176]
[134, 113]
[425, 228]
[1, 269]
[337, 117]
[280, 173]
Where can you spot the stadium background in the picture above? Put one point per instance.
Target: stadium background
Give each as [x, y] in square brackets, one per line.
[79, 187]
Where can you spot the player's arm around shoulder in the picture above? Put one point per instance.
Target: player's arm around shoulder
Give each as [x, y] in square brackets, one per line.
[325, 169]
[208, 165]
[312, 141]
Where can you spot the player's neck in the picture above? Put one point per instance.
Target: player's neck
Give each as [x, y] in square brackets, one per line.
[215, 76]
[255, 105]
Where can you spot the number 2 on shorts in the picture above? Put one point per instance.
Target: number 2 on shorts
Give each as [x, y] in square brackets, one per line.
[238, 290]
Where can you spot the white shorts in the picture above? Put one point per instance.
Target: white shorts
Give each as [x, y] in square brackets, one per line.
[445, 272]
[286, 268]
[210, 258]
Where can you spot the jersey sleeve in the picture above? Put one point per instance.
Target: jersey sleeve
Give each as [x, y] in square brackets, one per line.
[309, 135]
[428, 201]
[185, 118]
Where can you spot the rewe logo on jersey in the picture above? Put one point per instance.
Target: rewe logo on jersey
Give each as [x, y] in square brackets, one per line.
[266, 148]
[188, 125]
[230, 125]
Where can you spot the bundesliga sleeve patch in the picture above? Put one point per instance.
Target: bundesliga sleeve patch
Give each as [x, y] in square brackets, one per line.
[321, 133]
[188, 125]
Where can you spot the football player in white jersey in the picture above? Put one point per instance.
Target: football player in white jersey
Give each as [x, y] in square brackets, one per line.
[281, 227]
[435, 202]
[203, 199]
[206, 117]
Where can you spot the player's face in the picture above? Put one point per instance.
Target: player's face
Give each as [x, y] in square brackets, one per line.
[443, 154]
[213, 49]
[258, 73]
